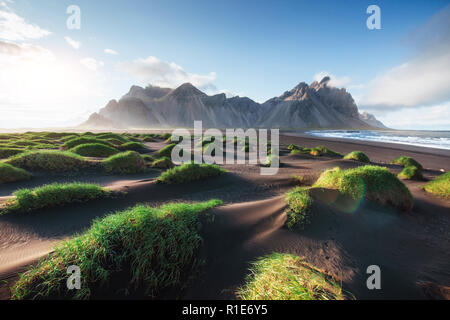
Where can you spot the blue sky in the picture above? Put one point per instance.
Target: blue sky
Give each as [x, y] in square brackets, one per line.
[254, 48]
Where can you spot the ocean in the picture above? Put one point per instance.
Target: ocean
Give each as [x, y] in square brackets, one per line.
[431, 139]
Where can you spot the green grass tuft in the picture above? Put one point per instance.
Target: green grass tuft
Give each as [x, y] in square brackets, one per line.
[439, 186]
[135, 146]
[270, 158]
[141, 251]
[147, 157]
[8, 152]
[167, 150]
[116, 136]
[53, 161]
[327, 152]
[190, 172]
[406, 162]
[357, 156]
[375, 183]
[410, 173]
[9, 173]
[299, 203]
[94, 150]
[412, 170]
[84, 140]
[124, 163]
[163, 163]
[282, 276]
[53, 195]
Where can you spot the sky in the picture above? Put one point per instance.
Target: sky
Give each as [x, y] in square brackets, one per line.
[54, 76]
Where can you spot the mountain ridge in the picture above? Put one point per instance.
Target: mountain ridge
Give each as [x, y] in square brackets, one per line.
[317, 105]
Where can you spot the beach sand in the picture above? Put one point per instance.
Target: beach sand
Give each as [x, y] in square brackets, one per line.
[412, 249]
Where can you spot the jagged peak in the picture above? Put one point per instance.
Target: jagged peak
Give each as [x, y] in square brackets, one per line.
[187, 90]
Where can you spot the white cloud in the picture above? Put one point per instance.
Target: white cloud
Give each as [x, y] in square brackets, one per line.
[436, 117]
[24, 51]
[15, 28]
[74, 44]
[335, 81]
[111, 51]
[154, 71]
[40, 89]
[422, 80]
[92, 64]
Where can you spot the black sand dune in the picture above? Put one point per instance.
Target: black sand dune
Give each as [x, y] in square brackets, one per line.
[412, 249]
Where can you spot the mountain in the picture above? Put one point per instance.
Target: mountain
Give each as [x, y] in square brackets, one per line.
[371, 120]
[306, 106]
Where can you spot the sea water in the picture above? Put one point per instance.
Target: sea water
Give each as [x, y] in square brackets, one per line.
[431, 139]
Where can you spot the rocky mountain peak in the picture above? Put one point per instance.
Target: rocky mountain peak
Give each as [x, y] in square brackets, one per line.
[305, 106]
[186, 90]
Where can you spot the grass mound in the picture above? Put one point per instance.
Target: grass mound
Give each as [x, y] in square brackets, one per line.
[282, 276]
[411, 173]
[439, 186]
[375, 183]
[135, 146]
[299, 203]
[167, 150]
[357, 156]
[157, 249]
[83, 140]
[116, 136]
[8, 152]
[412, 170]
[327, 152]
[53, 161]
[148, 139]
[114, 142]
[94, 150]
[147, 157]
[163, 163]
[9, 173]
[24, 143]
[190, 172]
[406, 162]
[125, 162]
[316, 151]
[270, 158]
[53, 195]
[67, 138]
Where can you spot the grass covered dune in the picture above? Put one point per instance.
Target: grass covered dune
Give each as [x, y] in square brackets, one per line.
[282, 276]
[372, 182]
[9, 173]
[94, 150]
[52, 161]
[53, 195]
[157, 246]
[439, 186]
[190, 172]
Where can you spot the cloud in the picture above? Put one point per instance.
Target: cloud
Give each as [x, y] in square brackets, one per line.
[15, 28]
[74, 44]
[435, 117]
[111, 51]
[154, 71]
[422, 80]
[335, 81]
[41, 89]
[92, 64]
[10, 52]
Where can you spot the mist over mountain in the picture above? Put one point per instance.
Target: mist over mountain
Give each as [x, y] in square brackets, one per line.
[317, 105]
[371, 120]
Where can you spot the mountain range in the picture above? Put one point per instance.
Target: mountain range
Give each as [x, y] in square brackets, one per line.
[316, 105]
